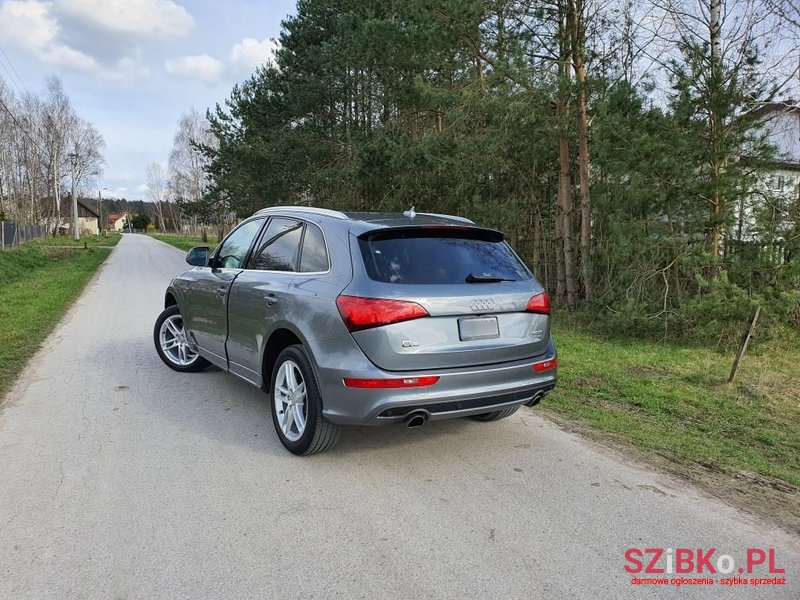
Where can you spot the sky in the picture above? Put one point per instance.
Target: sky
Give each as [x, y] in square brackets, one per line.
[131, 67]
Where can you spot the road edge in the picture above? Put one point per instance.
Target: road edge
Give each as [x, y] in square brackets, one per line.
[18, 386]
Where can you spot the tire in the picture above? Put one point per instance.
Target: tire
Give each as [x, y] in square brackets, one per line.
[168, 329]
[316, 434]
[497, 415]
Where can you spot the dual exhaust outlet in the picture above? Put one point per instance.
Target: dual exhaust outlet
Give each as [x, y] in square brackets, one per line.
[417, 418]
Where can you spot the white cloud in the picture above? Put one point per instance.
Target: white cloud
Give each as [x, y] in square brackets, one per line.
[244, 57]
[203, 67]
[119, 192]
[144, 18]
[130, 68]
[27, 24]
[250, 53]
[100, 38]
[64, 56]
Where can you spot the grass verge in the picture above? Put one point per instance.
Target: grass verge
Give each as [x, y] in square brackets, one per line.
[184, 242]
[37, 286]
[673, 403]
[62, 241]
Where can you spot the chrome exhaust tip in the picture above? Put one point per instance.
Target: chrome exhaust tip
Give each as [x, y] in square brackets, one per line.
[416, 419]
[536, 399]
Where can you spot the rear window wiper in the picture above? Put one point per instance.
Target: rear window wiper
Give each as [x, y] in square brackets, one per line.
[472, 278]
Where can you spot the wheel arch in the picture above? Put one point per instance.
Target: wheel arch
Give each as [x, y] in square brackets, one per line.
[170, 299]
[281, 338]
[175, 296]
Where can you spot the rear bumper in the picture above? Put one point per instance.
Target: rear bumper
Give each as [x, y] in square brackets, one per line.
[458, 393]
[464, 406]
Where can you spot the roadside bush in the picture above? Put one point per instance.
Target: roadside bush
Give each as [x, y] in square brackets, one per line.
[665, 289]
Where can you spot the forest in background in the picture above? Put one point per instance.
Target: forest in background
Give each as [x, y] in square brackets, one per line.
[619, 145]
[614, 143]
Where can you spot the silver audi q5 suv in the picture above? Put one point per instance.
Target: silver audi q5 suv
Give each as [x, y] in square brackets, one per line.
[363, 319]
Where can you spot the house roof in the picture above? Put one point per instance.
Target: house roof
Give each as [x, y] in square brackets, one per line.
[84, 210]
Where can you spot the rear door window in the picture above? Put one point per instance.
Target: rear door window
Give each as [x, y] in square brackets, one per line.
[314, 258]
[440, 256]
[279, 246]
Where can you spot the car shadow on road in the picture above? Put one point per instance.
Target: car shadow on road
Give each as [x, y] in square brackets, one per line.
[221, 406]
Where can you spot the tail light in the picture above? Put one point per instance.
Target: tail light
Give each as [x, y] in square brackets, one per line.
[545, 365]
[363, 313]
[539, 304]
[405, 382]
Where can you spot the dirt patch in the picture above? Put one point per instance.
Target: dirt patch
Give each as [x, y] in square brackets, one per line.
[756, 391]
[648, 371]
[592, 381]
[771, 500]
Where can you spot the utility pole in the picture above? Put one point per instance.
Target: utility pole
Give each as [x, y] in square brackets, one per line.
[130, 217]
[100, 228]
[76, 234]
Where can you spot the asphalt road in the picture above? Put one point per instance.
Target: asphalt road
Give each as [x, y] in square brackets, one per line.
[120, 478]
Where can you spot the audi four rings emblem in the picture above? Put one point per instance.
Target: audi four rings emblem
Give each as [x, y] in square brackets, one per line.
[482, 304]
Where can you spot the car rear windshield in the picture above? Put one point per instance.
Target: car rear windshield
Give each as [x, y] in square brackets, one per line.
[440, 256]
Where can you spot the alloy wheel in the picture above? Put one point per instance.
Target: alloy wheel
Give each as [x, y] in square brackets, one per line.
[174, 342]
[290, 401]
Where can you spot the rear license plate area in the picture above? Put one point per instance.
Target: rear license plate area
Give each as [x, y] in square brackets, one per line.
[478, 328]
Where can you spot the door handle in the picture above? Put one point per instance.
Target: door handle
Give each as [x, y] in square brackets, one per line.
[270, 299]
[221, 291]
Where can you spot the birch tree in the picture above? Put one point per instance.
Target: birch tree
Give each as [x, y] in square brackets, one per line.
[156, 190]
[37, 135]
[188, 178]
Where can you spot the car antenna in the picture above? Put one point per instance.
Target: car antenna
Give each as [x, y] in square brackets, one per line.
[410, 213]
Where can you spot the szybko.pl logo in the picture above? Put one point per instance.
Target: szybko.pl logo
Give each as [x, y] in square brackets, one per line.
[700, 565]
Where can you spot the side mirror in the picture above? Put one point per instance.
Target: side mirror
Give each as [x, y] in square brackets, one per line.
[197, 256]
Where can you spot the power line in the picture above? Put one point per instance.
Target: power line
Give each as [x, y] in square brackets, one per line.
[11, 64]
[21, 128]
[10, 77]
[27, 91]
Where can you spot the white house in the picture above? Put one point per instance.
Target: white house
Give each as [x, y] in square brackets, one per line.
[778, 182]
[116, 222]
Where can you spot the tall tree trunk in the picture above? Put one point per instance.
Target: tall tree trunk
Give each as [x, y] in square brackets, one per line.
[561, 286]
[567, 231]
[56, 201]
[535, 227]
[578, 47]
[564, 180]
[160, 216]
[176, 226]
[713, 230]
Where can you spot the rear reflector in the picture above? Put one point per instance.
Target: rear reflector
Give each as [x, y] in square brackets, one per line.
[405, 382]
[539, 304]
[546, 365]
[363, 313]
